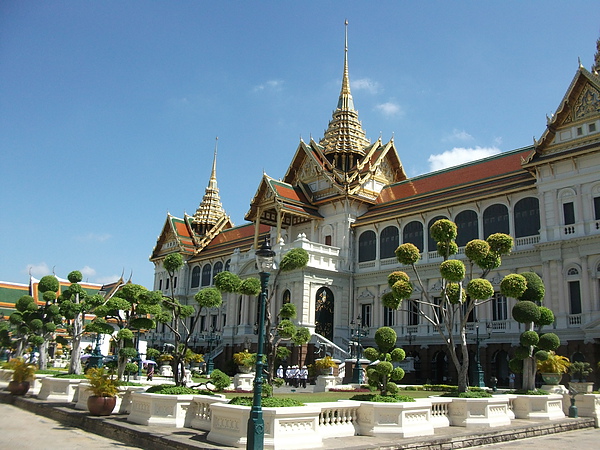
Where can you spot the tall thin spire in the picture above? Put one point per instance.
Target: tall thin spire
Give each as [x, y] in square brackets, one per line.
[210, 210]
[345, 101]
[344, 133]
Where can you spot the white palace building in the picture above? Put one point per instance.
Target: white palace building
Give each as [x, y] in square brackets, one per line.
[349, 203]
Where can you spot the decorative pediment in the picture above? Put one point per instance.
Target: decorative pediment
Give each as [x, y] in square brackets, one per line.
[575, 121]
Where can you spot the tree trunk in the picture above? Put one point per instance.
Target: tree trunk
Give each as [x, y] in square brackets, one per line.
[75, 364]
[529, 366]
[43, 361]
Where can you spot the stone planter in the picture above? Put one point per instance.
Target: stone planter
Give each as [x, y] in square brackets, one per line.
[59, 389]
[405, 419]
[479, 412]
[582, 387]
[325, 382]
[588, 405]
[244, 369]
[123, 398]
[243, 382]
[285, 428]
[538, 407]
[159, 409]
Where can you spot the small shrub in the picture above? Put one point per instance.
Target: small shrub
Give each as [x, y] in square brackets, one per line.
[382, 398]
[169, 389]
[468, 394]
[268, 402]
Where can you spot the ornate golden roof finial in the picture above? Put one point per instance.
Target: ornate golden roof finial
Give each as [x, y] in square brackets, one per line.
[596, 66]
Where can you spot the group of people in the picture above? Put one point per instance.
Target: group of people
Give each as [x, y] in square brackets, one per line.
[293, 375]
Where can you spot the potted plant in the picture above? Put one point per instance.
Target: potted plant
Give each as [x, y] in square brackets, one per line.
[324, 366]
[23, 372]
[193, 359]
[104, 390]
[579, 370]
[553, 368]
[244, 360]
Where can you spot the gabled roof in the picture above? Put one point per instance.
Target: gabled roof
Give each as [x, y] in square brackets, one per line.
[479, 179]
[281, 196]
[240, 237]
[580, 104]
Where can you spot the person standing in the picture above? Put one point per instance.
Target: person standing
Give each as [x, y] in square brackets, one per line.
[303, 376]
[280, 372]
[150, 372]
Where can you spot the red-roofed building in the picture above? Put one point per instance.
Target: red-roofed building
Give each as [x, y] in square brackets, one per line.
[349, 203]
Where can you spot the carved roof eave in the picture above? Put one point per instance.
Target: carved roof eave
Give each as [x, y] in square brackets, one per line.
[582, 76]
[257, 199]
[167, 227]
[303, 152]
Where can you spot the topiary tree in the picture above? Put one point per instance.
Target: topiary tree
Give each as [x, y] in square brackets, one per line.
[461, 289]
[285, 330]
[534, 345]
[383, 375]
[131, 309]
[35, 324]
[182, 319]
[74, 304]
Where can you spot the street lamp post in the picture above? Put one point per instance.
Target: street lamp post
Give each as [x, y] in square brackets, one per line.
[480, 375]
[360, 331]
[210, 364]
[256, 424]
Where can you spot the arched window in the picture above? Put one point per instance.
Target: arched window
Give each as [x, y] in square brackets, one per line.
[431, 244]
[218, 268]
[573, 283]
[495, 220]
[468, 227]
[227, 265]
[388, 242]
[195, 277]
[287, 296]
[206, 272]
[367, 246]
[413, 234]
[527, 217]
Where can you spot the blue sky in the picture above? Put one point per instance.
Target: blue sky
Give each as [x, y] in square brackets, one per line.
[109, 110]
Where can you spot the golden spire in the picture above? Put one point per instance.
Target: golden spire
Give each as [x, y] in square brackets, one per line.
[210, 210]
[344, 133]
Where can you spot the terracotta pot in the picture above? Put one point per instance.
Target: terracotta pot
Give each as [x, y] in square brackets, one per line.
[18, 387]
[101, 406]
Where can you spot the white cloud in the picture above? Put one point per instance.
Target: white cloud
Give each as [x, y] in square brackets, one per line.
[271, 85]
[93, 237]
[390, 109]
[365, 84]
[38, 270]
[458, 135]
[87, 272]
[458, 156]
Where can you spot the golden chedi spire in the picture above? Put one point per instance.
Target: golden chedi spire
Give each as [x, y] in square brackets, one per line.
[345, 140]
[210, 210]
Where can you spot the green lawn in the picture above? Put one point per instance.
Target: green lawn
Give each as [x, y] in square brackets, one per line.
[309, 397]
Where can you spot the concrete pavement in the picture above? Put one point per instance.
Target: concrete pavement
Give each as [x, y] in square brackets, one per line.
[23, 430]
[25, 424]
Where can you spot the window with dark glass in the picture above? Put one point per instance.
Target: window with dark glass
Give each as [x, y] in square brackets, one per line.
[575, 297]
[366, 314]
[195, 277]
[467, 227]
[413, 313]
[227, 265]
[217, 269]
[328, 239]
[388, 317]
[367, 246]
[495, 220]
[431, 244]
[287, 296]
[499, 307]
[413, 234]
[167, 283]
[597, 208]
[206, 273]
[569, 213]
[388, 242]
[527, 217]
